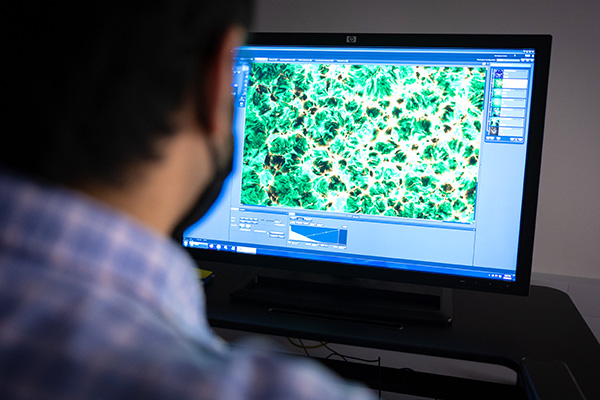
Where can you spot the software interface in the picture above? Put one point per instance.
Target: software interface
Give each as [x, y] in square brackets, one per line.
[395, 158]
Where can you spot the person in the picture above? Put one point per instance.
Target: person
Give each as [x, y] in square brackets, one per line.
[122, 134]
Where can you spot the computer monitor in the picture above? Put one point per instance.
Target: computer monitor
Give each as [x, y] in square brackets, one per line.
[387, 157]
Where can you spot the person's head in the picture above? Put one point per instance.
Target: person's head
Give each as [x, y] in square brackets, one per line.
[101, 83]
[104, 78]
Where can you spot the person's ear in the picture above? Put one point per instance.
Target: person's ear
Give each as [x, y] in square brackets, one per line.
[218, 101]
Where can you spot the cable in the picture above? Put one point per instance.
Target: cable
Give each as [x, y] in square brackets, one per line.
[335, 353]
[302, 346]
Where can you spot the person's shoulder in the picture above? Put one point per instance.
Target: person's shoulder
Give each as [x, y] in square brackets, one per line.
[64, 340]
[270, 374]
[125, 351]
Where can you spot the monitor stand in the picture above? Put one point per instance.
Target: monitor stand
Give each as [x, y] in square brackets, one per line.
[350, 299]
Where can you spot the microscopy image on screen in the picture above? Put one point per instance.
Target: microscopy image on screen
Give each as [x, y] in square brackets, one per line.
[400, 141]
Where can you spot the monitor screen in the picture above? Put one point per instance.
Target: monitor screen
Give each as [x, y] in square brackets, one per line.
[411, 158]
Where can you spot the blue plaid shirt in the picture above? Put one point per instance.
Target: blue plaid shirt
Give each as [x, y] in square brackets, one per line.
[94, 306]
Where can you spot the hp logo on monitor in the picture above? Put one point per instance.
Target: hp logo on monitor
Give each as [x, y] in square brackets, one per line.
[351, 39]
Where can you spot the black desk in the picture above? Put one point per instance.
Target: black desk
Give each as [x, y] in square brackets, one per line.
[490, 328]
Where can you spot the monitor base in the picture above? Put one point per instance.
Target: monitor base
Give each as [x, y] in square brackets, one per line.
[352, 300]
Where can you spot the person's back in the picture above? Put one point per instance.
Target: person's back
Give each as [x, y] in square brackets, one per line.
[127, 113]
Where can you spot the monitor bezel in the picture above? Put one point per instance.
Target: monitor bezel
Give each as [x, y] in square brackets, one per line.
[520, 286]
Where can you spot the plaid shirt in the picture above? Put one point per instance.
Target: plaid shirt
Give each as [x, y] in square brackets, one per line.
[94, 306]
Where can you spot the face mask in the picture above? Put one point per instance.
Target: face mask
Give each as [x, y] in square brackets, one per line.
[210, 195]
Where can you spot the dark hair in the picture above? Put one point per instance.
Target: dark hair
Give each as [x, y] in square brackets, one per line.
[97, 81]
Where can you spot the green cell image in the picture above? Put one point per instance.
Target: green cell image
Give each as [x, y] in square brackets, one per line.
[394, 141]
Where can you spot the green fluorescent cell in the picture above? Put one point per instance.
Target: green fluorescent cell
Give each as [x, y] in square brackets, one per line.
[397, 141]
